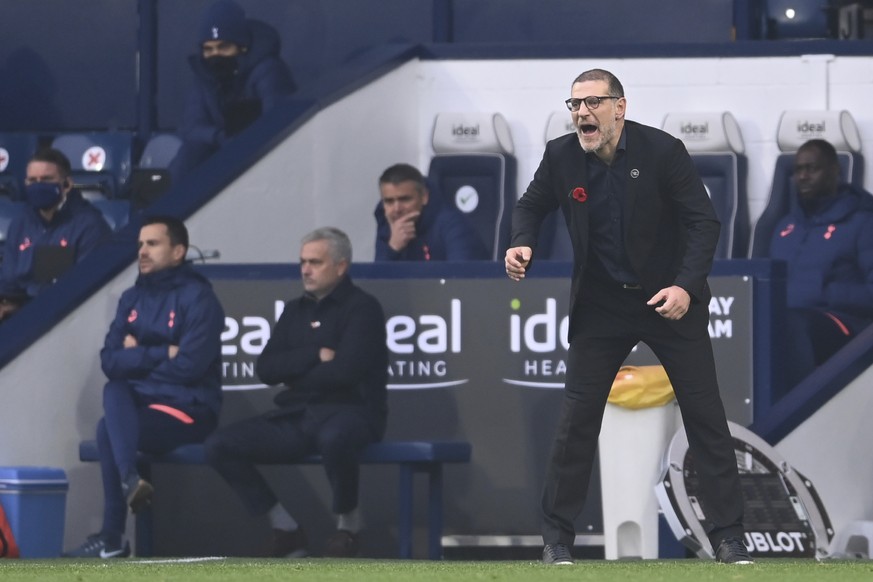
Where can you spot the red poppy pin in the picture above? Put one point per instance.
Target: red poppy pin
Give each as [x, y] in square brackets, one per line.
[579, 194]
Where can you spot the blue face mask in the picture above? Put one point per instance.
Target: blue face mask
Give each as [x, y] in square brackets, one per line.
[43, 195]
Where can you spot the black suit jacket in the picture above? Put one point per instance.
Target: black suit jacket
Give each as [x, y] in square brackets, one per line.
[671, 229]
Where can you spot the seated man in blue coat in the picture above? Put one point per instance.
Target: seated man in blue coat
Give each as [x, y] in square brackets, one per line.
[412, 226]
[827, 241]
[238, 75]
[162, 356]
[56, 216]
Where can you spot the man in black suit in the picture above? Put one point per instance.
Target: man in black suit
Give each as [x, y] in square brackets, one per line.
[644, 233]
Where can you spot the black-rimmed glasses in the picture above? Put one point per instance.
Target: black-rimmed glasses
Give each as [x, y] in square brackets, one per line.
[592, 102]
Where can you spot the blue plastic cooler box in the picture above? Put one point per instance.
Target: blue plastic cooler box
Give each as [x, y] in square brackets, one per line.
[34, 500]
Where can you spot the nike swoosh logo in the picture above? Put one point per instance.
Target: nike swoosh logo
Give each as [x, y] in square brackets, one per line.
[113, 554]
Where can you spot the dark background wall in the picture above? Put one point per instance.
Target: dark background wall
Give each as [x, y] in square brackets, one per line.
[73, 64]
[67, 64]
[574, 21]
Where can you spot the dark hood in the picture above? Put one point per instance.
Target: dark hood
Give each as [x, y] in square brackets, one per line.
[265, 43]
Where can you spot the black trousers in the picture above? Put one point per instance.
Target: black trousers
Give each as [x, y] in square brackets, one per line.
[338, 432]
[612, 321]
[812, 336]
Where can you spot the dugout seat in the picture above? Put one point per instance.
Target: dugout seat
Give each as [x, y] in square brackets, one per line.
[115, 211]
[474, 168]
[150, 179]
[716, 146]
[796, 128]
[100, 161]
[15, 151]
[159, 151]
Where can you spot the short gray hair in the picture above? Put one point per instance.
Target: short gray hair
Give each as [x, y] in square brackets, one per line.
[614, 89]
[338, 241]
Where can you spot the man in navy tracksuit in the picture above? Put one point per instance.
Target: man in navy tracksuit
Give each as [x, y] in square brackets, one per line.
[162, 356]
[827, 241]
[411, 226]
[238, 74]
[56, 215]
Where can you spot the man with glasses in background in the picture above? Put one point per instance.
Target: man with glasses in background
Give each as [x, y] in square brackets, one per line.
[644, 233]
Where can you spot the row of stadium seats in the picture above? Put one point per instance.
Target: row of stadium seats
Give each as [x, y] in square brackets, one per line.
[102, 169]
[102, 163]
[474, 161]
[474, 167]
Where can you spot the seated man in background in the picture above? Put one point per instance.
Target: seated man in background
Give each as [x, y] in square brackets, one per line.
[827, 241]
[57, 218]
[162, 356]
[328, 349]
[238, 75]
[411, 226]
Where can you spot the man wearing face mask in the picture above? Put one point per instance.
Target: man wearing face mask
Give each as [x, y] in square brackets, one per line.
[56, 216]
[238, 75]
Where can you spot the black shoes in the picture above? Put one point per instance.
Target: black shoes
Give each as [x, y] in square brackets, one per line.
[557, 555]
[342, 544]
[289, 544]
[733, 551]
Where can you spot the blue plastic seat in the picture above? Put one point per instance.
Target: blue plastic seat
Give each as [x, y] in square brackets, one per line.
[16, 150]
[474, 169]
[116, 212]
[715, 144]
[159, 151]
[100, 161]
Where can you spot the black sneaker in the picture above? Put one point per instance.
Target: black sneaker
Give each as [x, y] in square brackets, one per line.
[557, 555]
[733, 551]
[289, 544]
[97, 547]
[342, 544]
[138, 492]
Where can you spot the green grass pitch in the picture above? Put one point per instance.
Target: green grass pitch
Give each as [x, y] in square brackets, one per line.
[233, 569]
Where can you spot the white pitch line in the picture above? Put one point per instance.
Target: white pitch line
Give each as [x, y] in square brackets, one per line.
[178, 560]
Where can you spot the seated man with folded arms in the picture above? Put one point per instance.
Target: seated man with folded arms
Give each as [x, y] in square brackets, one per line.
[328, 350]
[412, 226]
[827, 242]
[162, 356]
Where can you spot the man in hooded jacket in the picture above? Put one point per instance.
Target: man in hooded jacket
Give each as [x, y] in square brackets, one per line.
[238, 75]
[827, 241]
